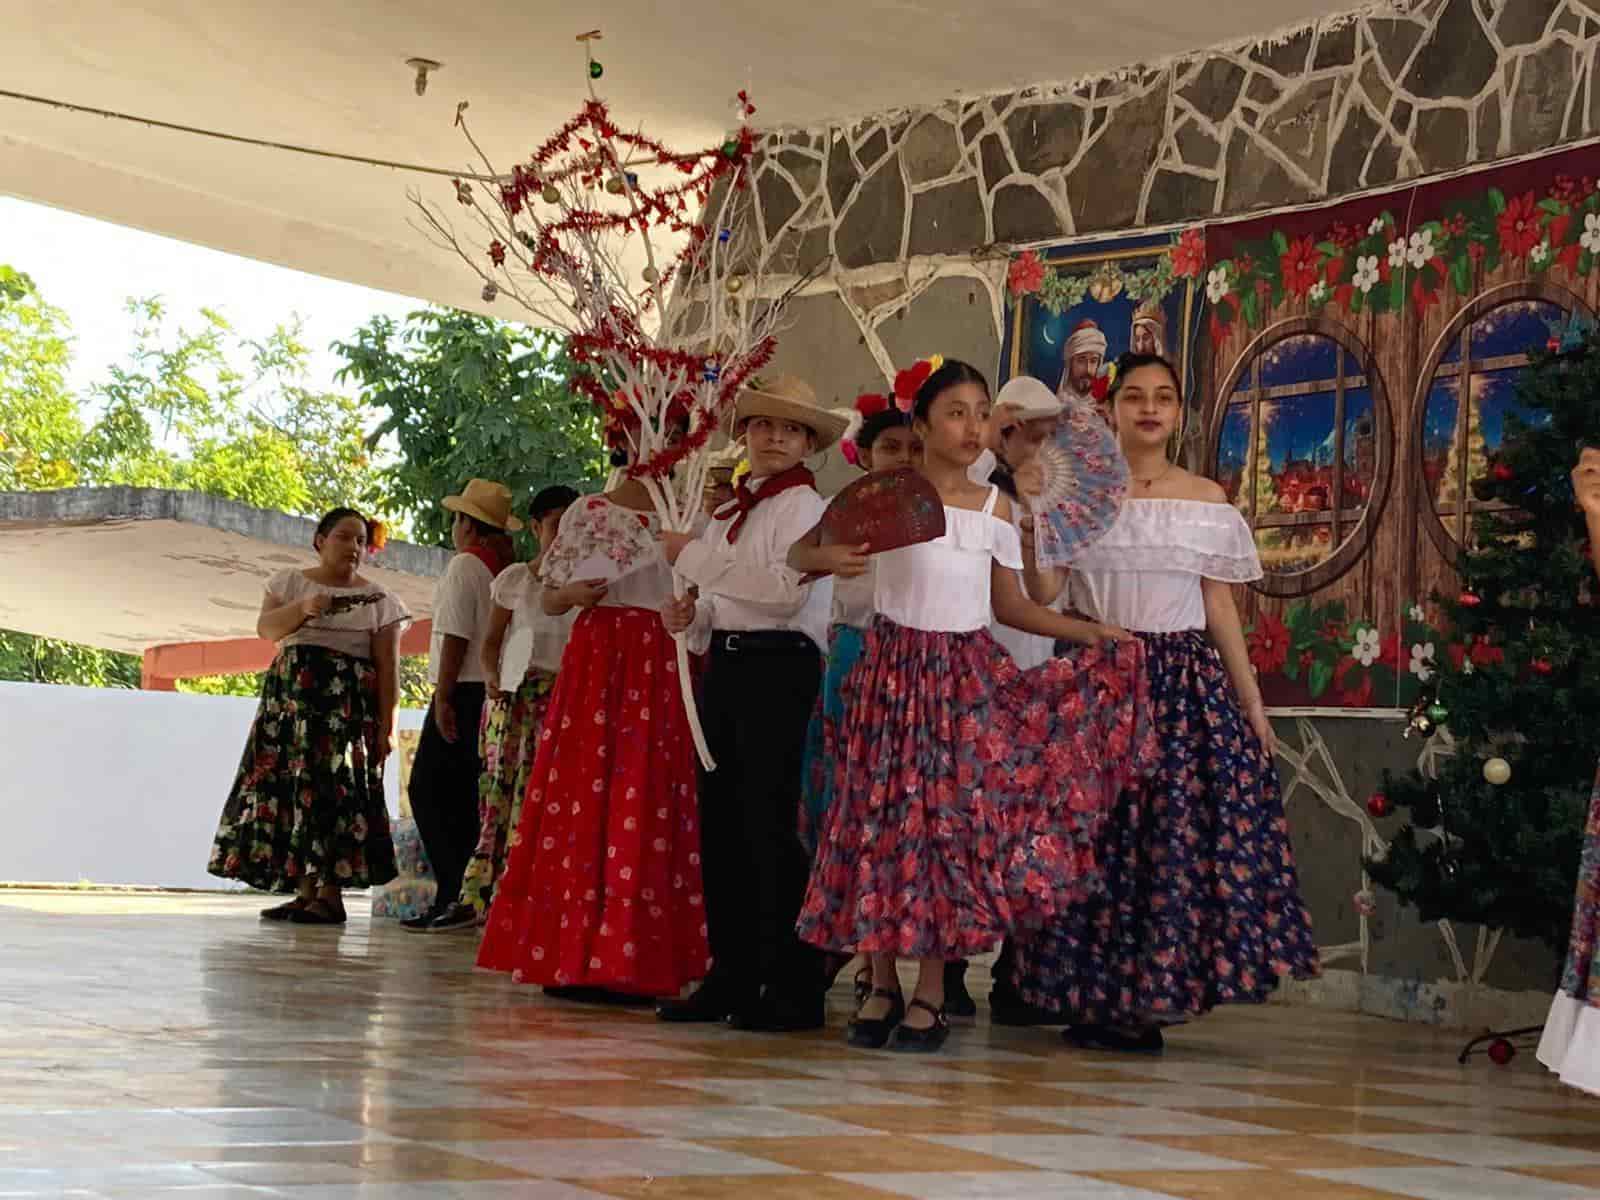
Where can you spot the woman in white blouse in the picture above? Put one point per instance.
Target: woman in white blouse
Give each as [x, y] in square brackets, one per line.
[1201, 904]
[521, 654]
[307, 813]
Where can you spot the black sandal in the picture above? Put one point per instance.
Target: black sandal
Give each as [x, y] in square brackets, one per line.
[923, 1041]
[872, 1033]
[283, 912]
[318, 912]
[863, 984]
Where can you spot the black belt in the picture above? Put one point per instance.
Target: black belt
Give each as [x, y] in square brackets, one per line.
[762, 641]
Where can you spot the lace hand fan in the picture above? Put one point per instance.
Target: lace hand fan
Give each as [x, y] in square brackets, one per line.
[600, 541]
[1085, 483]
[885, 511]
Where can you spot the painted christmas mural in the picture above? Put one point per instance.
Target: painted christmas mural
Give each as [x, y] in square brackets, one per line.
[1351, 385]
[1359, 364]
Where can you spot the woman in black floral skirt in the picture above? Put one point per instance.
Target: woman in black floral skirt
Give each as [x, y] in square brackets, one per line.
[307, 813]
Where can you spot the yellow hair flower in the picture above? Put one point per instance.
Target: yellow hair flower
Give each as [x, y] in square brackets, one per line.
[741, 470]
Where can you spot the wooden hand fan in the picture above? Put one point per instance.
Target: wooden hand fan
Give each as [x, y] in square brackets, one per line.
[885, 511]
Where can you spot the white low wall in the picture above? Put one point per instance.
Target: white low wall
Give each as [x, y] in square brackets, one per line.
[121, 787]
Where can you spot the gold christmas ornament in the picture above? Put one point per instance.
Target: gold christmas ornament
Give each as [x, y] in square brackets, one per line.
[735, 284]
[651, 274]
[551, 193]
[1497, 771]
[1105, 285]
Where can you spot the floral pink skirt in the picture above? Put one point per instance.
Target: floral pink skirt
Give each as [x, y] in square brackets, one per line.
[969, 794]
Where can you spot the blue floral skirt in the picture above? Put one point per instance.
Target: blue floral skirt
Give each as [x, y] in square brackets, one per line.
[822, 736]
[969, 794]
[1201, 903]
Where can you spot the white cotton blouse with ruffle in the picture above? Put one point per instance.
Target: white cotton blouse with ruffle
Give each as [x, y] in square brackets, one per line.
[942, 586]
[1144, 574]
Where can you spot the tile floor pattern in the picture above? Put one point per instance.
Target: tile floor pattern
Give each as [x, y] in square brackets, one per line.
[178, 1047]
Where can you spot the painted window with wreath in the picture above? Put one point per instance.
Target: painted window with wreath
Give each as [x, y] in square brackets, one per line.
[1301, 450]
[1469, 409]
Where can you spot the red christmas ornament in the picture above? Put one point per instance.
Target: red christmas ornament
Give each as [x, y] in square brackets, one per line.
[1469, 599]
[1542, 666]
[1502, 472]
[1378, 805]
[1501, 1052]
[1553, 345]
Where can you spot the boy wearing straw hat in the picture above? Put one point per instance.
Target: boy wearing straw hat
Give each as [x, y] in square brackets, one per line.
[766, 631]
[444, 774]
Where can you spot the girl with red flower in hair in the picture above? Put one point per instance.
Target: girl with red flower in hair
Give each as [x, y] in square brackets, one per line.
[968, 792]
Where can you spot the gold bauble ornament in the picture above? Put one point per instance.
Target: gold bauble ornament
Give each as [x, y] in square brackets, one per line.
[735, 284]
[1497, 771]
[1105, 285]
[551, 193]
[651, 274]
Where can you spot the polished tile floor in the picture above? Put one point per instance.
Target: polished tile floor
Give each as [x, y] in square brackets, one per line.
[176, 1046]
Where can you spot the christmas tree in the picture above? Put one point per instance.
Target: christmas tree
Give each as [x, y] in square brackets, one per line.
[1494, 838]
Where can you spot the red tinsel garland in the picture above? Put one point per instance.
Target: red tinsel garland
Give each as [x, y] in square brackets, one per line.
[590, 151]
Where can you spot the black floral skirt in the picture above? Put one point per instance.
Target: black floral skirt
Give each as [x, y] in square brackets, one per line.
[308, 799]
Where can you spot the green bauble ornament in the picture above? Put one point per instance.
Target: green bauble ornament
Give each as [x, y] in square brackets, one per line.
[1438, 713]
[730, 148]
[595, 69]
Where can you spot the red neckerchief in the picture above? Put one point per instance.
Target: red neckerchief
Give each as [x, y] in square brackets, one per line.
[744, 500]
[485, 554]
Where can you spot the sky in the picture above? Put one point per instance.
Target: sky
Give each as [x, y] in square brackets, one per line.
[89, 268]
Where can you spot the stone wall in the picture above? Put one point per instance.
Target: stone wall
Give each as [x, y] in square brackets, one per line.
[907, 215]
[907, 221]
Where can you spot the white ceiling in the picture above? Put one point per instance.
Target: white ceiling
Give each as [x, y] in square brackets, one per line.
[332, 75]
[130, 584]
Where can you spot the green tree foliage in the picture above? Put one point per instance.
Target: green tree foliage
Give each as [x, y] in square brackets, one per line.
[39, 426]
[1521, 681]
[202, 409]
[465, 396]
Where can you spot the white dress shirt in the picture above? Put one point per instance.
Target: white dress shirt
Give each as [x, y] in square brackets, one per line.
[462, 605]
[749, 585]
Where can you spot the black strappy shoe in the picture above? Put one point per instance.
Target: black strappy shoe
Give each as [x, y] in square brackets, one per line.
[863, 984]
[923, 1041]
[872, 1033]
[283, 912]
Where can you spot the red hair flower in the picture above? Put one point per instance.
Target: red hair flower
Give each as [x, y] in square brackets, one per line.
[908, 381]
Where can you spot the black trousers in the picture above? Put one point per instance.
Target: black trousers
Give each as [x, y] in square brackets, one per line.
[444, 791]
[759, 691]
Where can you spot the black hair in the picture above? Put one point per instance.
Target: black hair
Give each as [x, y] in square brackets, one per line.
[878, 423]
[331, 519]
[1131, 362]
[483, 528]
[618, 458]
[557, 495]
[946, 377]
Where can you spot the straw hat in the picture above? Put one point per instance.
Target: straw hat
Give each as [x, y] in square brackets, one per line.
[1026, 399]
[785, 398]
[487, 501]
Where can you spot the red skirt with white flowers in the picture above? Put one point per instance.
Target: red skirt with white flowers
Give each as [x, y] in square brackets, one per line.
[602, 888]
